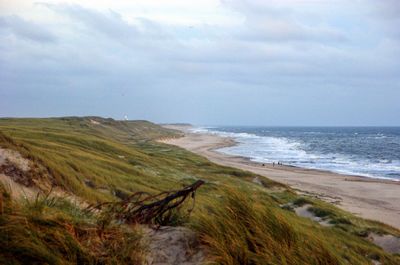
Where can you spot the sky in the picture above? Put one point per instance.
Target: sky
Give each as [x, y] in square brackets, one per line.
[208, 62]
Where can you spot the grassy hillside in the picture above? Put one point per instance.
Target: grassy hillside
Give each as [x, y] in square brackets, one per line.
[99, 160]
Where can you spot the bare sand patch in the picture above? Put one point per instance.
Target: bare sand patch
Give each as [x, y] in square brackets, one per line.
[388, 243]
[13, 157]
[11, 162]
[94, 122]
[173, 245]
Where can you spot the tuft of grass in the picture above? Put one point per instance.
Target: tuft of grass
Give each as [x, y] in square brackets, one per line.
[176, 217]
[320, 212]
[301, 201]
[340, 220]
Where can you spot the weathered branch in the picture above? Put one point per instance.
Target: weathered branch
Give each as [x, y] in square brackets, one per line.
[147, 209]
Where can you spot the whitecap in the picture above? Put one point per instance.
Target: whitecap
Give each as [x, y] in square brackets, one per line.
[268, 149]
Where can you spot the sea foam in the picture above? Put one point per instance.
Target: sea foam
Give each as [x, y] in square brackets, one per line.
[312, 149]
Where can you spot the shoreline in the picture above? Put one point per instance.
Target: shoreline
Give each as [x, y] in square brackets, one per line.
[232, 142]
[359, 195]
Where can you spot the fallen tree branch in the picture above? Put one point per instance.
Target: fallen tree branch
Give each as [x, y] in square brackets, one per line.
[143, 208]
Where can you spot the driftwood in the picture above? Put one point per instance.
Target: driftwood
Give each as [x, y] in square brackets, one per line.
[143, 208]
[1, 203]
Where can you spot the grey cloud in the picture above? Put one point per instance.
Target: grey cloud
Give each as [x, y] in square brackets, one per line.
[289, 31]
[110, 23]
[387, 9]
[26, 29]
[387, 15]
[262, 8]
[274, 21]
[104, 65]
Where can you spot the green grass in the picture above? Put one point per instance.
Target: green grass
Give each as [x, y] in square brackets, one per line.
[245, 227]
[52, 230]
[241, 222]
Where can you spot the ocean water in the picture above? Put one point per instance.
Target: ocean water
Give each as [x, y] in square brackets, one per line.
[363, 151]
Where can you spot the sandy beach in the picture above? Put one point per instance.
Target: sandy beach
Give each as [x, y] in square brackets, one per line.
[369, 198]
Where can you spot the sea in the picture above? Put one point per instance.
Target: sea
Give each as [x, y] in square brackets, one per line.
[362, 151]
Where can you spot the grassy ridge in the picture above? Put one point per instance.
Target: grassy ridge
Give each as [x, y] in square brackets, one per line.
[85, 158]
[101, 159]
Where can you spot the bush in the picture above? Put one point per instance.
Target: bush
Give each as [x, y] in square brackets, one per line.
[320, 212]
[301, 201]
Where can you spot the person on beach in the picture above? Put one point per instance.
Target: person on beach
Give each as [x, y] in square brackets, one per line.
[273, 164]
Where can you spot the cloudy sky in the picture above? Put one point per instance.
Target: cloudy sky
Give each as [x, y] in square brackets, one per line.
[255, 62]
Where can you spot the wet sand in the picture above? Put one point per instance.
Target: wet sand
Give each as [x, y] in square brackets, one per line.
[369, 198]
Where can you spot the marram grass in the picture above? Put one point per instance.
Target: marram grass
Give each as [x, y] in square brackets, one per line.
[98, 160]
[242, 229]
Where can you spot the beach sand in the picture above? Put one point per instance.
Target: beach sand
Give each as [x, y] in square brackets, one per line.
[368, 198]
